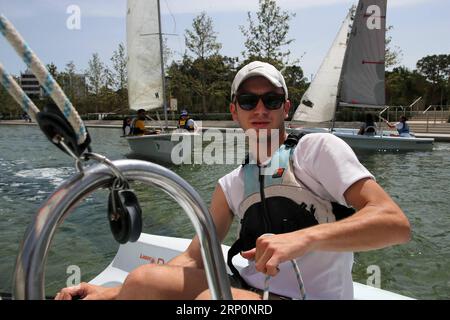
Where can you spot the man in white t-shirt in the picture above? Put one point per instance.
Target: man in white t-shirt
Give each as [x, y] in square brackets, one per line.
[327, 174]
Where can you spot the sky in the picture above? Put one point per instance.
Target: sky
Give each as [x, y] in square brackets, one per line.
[421, 27]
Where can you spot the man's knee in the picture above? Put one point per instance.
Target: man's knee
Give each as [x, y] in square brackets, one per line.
[151, 281]
[144, 274]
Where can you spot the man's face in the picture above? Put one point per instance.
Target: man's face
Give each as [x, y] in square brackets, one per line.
[141, 115]
[260, 117]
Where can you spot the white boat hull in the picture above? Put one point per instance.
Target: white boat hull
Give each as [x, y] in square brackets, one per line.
[384, 142]
[158, 249]
[159, 147]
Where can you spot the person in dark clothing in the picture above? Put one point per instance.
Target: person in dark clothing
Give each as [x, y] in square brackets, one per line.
[126, 126]
[369, 127]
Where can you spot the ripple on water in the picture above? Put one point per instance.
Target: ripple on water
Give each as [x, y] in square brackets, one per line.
[54, 175]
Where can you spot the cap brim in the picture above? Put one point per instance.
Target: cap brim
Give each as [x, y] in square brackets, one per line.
[257, 73]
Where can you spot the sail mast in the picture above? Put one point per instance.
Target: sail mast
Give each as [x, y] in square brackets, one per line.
[163, 74]
[338, 96]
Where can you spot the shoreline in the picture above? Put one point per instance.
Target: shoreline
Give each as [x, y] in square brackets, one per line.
[223, 125]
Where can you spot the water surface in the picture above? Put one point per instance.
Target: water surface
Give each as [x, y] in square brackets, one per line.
[31, 168]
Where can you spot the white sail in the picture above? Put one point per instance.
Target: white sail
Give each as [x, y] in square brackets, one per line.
[319, 101]
[145, 81]
[363, 77]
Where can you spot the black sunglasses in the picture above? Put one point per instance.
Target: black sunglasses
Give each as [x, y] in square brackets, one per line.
[271, 100]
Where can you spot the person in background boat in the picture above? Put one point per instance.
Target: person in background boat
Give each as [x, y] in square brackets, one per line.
[185, 122]
[401, 126]
[369, 127]
[126, 126]
[138, 125]
[318, 177]
[26, 117]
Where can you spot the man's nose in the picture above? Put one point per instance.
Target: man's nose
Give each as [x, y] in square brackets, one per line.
[260, 107]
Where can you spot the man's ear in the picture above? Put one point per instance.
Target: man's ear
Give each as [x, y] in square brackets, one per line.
[287, 107]
[233, 111]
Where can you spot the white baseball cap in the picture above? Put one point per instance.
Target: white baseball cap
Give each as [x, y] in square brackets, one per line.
[259, 69]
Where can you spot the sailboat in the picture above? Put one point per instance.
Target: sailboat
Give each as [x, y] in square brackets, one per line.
[146, 81]
[353, 75]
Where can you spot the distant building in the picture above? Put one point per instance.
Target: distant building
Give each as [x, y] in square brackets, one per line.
[30, 85]
[76, 85]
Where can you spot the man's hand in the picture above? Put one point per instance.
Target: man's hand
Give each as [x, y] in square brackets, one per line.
[87, 291]
[271, 251]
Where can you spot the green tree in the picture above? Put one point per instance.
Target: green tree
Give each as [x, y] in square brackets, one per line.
[119, 68]
[52, 69]
[296, 84]
[95, 74]
[393, 54]
[167, 54]
[267, 35]
[9, 108]
[202, 43]
[95, 77]
[436, 68]
[119, 75]
[404, 86]
[184, 86]
[202, 39]
[70, 81]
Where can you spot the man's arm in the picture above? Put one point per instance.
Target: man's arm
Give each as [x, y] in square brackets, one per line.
[378, 223]
[390, 125]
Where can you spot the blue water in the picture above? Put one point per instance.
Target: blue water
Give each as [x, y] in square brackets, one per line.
[31, 168]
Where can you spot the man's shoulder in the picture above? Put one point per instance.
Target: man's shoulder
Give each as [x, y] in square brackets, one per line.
[315, 146]
[235, 174]
[317, 140]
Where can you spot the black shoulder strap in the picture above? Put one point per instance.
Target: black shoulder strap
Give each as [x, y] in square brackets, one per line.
[293, 139]
[291, 142]
[234, 250]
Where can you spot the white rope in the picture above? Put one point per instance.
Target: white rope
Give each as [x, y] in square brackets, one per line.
[17, 93]
[298, 275]
[44, 77]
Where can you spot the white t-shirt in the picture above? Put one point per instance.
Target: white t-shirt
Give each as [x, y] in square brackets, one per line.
[190, 123]
[127, 130]
[328, 167]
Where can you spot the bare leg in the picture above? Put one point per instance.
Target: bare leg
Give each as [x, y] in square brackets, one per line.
[163, 282]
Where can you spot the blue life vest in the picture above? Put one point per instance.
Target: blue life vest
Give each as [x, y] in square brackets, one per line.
[275, 202]
[184, 124]
[404, 129]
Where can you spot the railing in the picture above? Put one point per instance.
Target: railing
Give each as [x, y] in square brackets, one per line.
[444, 114]
[29, 272]
[381, 118]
